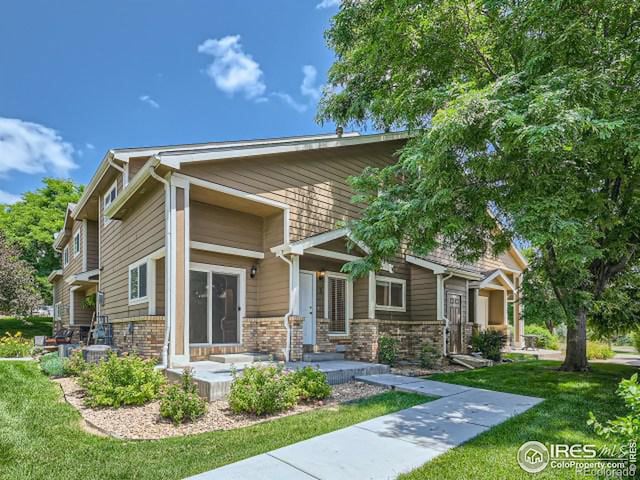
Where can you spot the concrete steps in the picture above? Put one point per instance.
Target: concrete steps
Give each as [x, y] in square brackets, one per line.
[470, 361]
[322, 356]
[236, 358]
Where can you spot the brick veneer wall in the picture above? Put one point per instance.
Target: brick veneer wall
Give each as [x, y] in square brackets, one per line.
[141, 335]
[268, 335]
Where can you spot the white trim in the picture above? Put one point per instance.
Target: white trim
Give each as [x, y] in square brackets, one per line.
[242, 286]
[500, 276]
[295, 285]
[85, 235]
[54, 274]
[72, 308]
[314, 307]
[441, 269]
[134, 266]
[125, 175]
[105, 206]
[83, 276]
[172, 262]
[151, 286]
[372, 296]
[65, 256]
[73, 242]
[390, 280]
[439, 297]
[187, 261]
[215, 248]
[348, 301]
[321, 252]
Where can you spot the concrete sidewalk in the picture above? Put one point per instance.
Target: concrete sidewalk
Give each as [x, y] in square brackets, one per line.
[384, 447]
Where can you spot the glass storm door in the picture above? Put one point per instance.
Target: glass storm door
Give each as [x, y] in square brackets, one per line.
[198, 307]
[224, 308]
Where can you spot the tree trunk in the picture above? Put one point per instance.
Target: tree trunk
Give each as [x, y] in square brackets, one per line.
[576, 358]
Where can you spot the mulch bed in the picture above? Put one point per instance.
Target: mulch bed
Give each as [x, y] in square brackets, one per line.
[417, 371]
[144, 422]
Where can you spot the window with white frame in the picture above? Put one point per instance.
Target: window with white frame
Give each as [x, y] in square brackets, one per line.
[108, 199]
[65, 256]
[391, 294]
[138, 282]
[57, 311]
[337, 302]
[76, 244]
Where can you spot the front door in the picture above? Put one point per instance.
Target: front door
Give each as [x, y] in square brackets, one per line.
[224, 308]
[307, 281]
[454, 314]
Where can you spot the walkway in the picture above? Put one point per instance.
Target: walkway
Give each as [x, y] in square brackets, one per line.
[384, 447]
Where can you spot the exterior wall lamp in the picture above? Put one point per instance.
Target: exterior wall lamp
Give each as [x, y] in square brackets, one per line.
[253, 271]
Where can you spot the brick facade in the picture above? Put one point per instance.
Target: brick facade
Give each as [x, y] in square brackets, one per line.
[268, 335]
[141, 335]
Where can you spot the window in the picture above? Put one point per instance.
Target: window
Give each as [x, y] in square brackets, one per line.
[65, 256]
[76, 244]
[138, 282]
[391, 294]
[109, 197]
[57, 311]
[337, 302]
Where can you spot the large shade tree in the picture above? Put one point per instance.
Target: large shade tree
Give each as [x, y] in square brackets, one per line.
[18, 289]
[31, 223]
[520, 113]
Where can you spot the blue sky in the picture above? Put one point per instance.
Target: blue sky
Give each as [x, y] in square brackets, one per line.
[80, 77]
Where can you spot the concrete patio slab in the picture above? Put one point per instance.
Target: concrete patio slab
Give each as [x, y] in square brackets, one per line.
[261, 467]
[428, 387]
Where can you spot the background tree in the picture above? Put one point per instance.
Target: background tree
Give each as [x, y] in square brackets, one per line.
[18, 289]
[520, 113]
[31, 222]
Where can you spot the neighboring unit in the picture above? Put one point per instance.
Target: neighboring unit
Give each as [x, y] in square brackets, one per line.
[237, 247]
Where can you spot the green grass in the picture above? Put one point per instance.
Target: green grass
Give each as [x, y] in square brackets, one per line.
[519, 357]
[40, 435]
[561, 418]
[39, 326]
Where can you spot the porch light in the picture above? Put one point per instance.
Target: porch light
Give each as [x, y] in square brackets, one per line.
[253, 271]
[321, 274]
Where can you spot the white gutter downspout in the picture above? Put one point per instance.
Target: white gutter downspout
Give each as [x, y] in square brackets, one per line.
[444, 317]
[166, 363]
[287, 327]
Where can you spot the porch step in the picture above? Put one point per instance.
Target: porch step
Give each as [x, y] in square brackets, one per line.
[470, 361]
[322, 356]
[240, 358]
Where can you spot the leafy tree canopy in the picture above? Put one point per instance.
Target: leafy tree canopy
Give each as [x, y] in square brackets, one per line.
[524, 112]
[18, 290]
[31, 222]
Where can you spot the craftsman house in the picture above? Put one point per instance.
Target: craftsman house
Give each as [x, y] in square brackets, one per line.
[227, 247]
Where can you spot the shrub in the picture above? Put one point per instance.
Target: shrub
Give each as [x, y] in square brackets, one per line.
[262, 390]
[118, 381]
[13, 346]
[546, 339]
[52, 365]
[635, 337]
[387, 350]
[599, 351]
[75, 365]
[625, 428]
[429, 356]
[181, 402]
[489, 343]
[311, 384]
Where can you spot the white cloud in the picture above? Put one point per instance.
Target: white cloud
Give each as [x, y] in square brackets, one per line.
[289, 100]
[149, 101]
[90, 146]
[7, 198]
[32, 148]
[328, 4]
[232, 69]
[308, 86]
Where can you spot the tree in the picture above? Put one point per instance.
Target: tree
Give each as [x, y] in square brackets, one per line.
[31, 222]
[18, 290]
[522, 115]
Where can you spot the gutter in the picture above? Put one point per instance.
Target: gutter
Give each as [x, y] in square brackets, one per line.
[148, 170]
[287, 349]
[444, 317]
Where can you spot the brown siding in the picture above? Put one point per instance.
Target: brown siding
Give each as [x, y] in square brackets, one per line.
[273, 273]
[123, 242]
[222, 226]
[422, 293]
[160, 290]
[92, 245]
[252, 305]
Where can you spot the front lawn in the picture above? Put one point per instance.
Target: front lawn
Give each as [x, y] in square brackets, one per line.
[561, 418]
[41, 437]
[39, 326]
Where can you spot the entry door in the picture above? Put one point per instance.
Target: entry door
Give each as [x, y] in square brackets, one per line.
[307, 310]
[454, 314]
[483, 311]
[225, 308]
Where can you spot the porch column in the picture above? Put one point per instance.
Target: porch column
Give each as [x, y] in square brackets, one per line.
[372, 296]
[178, 256]
[518, 323]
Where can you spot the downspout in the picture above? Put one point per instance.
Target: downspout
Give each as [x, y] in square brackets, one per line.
[287, 327]
[167, 265]
[444, 316]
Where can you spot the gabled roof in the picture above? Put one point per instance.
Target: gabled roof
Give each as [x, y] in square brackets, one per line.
[61, 236]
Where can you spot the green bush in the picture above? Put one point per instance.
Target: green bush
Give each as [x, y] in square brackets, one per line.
[429, 356]
[546, 339]
[75, 365]
[625, 428]
[118, 381]
[489, 343]
[181, 402]
[635, 337]
[311, 384]
[387, 350]
[14, 346]
[599, 351]
[52, 364]
[262, 390]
